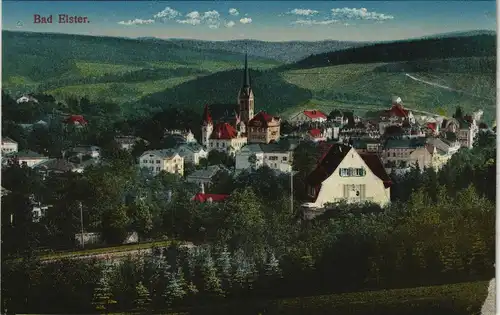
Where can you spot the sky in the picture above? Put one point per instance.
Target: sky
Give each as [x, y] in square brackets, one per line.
[261, 20]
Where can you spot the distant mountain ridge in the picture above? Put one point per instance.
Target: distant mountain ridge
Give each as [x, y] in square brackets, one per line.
[483, 45]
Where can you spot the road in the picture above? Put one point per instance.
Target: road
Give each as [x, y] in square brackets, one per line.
[445, 87]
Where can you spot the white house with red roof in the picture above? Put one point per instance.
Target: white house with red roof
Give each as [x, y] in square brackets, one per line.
[343, 174]
[225, 138]
[397, 115]
[316, 135]
[202, 197]
[308, 116]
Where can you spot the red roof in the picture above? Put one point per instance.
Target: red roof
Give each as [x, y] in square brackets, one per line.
[76, 119]
[263, 118]
[398, 111]
[224, 131]
[432, 126]
[314, 114]
[209, 197]
[315, 133]
[207, 118]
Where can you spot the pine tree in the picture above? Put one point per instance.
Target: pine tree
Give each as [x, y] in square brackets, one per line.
[103, 296]
[142, 300]
[211, 282]
[175, 288]
[224, 268]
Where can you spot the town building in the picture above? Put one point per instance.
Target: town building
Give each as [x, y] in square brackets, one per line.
[316, 135]
[465, 128]
[205, 176]
[192, 152]
[90, 150]
[56, 166]
[25, 157]
[9, 145]
[397, 115]
[225, 138]
[277, 156]
[263, 128]
[167, 160]
[308, 116]
[402, 154]
[344, 175]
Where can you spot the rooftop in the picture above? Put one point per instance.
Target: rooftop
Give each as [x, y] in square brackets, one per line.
[200, 197]
[207, 173]
[313, 114]
[164, 153]
[26, 154]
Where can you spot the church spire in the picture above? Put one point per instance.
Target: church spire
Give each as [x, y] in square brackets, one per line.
[246, 74]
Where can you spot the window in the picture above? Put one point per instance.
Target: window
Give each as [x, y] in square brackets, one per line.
[157, 161]
[352, 172]
[285, 159]
[144, 161]
[273, 158]
[394, 154]
[158, 169]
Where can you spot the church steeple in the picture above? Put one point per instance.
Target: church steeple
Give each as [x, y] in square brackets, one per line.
[246, 74]
[245, 96]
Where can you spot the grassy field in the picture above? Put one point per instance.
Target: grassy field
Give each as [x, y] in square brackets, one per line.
[453, 299]
[362, 85]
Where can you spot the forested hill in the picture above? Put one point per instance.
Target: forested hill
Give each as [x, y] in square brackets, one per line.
[483, 45]
[289, 51]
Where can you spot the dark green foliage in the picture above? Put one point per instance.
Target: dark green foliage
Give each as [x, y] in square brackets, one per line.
[426, 49]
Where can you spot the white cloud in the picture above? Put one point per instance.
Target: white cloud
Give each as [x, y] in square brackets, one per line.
[136, 22]
[210, 18]
[167, 13]
[192, 18]
[246, 20]
[234, 12]
[306, 12]
[230, 24]
[314, 22]
[359, 14]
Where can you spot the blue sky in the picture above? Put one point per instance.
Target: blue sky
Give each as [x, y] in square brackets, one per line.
[263, 20]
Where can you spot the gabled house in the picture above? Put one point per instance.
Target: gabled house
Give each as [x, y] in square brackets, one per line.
[25, 157]
[225, 138]
[192, 153]
[205, 176]
[167, 160]
[263, 128]
[56, 166]
[8, 145]
[316, 135]
[308, 116]
[346, 175]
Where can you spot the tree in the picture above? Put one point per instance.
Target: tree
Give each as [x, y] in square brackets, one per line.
[175, 288]
[114, 225]
[142, 300]
[103, 297]
[224, 268]
[272, 267]
[211, 282]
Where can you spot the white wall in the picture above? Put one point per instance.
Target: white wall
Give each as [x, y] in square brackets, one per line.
[332, 189]
[8, 147]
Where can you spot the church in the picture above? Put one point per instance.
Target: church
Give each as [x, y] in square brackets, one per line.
[229, 127]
